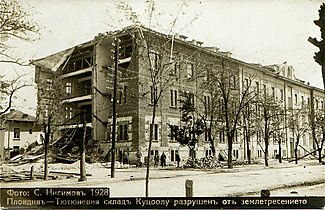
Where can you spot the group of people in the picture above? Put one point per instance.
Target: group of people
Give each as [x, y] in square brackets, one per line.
[156, 158]
[163, 160]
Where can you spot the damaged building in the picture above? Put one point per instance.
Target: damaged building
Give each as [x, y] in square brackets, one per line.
[80, 80]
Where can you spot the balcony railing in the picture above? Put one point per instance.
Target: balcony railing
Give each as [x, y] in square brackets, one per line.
[77, 99]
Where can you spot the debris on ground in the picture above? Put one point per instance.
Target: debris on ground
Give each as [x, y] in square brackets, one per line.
[206, 163]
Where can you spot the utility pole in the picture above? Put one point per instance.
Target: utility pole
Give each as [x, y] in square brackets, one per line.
[116, 57]
[82, 148]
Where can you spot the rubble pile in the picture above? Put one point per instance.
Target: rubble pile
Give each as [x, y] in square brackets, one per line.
[205, 163]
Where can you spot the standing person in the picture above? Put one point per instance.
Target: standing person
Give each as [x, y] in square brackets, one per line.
[125, 158]
[156, 160]
[139, 155]
[178, 159]
[163, 160]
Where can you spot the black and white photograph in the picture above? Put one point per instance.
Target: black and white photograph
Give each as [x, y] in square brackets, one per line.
[162, 104]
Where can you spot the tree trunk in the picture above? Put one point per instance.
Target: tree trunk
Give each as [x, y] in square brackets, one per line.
[266, 152]
[280, 151]
[229, 138]
[296, 151]
[149, 149]
[46, 172]
[320, 155]
[83, 152]
[47, 130]
[248, 148]
[211, 139]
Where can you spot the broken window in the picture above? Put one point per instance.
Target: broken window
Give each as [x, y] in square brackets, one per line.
[49, 83]
[68, 88]
[189, 70]
[153, 57]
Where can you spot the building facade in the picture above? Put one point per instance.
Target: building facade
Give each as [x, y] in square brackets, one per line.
[84, 84]
[18, 131]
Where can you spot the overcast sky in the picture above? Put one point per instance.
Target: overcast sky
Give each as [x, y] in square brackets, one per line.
[265, 31]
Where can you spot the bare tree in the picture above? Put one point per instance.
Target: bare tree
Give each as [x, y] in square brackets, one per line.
[15, 23]
[268, 111]
[156, 51]
[8, 89]
[317, 127]
[49, 110]
[222, 82]
[299, 127]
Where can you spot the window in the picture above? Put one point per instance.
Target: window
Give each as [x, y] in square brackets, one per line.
[153, 61]
[68, 112]
[257, 84]
[153, 94]
[235, 153]
[46, 111]
[173, 98]
[281, 94]
[189, 70]
[123, 132]
[275, 152]
[308, 102]
[173, 134]
[316, 104]
[190, 97]
[207, 133]
[222, 136]
[259, 153]
[289, 102]
[206, 75]
[246, 83]
[173, 67]
[296, 98]
[154, 132]
[232, 82]
[87, 89]
[264, 89]
[207, 102]
[16, 133]
[273, 92]
[208, 153]
[125, 89]
[173, 155]
[68, 88]
[302, 100]
[49, 84]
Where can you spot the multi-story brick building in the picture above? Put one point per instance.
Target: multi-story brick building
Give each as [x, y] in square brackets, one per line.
[85, 74]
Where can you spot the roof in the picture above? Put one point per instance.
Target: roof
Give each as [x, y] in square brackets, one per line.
[54, 61]
[18, 116]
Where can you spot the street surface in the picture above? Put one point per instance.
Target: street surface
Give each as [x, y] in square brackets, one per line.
[281, 179]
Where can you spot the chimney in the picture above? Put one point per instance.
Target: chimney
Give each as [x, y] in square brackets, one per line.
[193, 42]
[182, 37]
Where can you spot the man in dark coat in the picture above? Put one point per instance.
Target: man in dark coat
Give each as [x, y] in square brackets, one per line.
[178, 159]
[163, 160]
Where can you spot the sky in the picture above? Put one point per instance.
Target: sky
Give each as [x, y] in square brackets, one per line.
[254, 31]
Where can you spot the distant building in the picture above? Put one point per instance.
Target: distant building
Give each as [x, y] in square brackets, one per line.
[85, 72]
[17, 132]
